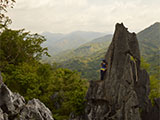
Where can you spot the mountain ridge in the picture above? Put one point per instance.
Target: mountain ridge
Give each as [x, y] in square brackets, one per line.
[57, 42]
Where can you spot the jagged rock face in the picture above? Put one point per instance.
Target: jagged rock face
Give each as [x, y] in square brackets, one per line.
[1, 115]
[115, 98]
[35, 110]
[10, 103]
[14, 107]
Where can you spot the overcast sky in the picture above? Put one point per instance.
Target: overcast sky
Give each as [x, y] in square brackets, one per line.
[65, 16]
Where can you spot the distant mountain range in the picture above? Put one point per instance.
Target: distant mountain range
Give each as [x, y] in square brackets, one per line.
[84, 50]
[57, 42]
[87, 57]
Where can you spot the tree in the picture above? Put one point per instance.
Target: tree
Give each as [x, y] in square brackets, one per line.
[62, 90]
[145, 65]
[154, 80]
[23, 79]
[18, 46]
[4, 4]
[65, 93]
[155, 88]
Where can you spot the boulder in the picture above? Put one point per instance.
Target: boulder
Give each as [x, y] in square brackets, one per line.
[10, 103]
[35, 109]
[14, 107]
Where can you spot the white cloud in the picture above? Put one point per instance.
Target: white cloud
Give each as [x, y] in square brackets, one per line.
[89, 15]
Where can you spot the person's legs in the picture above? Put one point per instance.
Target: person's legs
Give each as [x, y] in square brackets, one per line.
[102, 74]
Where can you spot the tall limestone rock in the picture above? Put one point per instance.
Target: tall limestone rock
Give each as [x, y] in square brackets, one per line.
[124, 91]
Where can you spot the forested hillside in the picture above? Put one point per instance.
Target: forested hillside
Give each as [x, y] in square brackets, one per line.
[149, 41]
[57, 42]
[84, 50]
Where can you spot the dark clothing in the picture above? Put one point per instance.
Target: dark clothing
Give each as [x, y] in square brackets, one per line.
[103, 65]
[102, 74]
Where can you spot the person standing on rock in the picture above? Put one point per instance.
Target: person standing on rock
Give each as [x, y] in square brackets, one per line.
[104, 65]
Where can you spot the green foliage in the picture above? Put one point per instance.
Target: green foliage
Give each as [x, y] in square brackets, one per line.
[155, 88]
[144, 64]
[23, 73]
[83, 51]
[22, 79]
[69, 91]
[18, 46]
[89, 66]
[149, 42]
[42, 81]
[154, 80]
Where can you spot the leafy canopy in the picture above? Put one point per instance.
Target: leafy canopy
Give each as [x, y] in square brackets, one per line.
[18, 46]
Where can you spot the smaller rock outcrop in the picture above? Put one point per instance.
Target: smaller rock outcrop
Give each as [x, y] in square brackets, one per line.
[13, 107]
